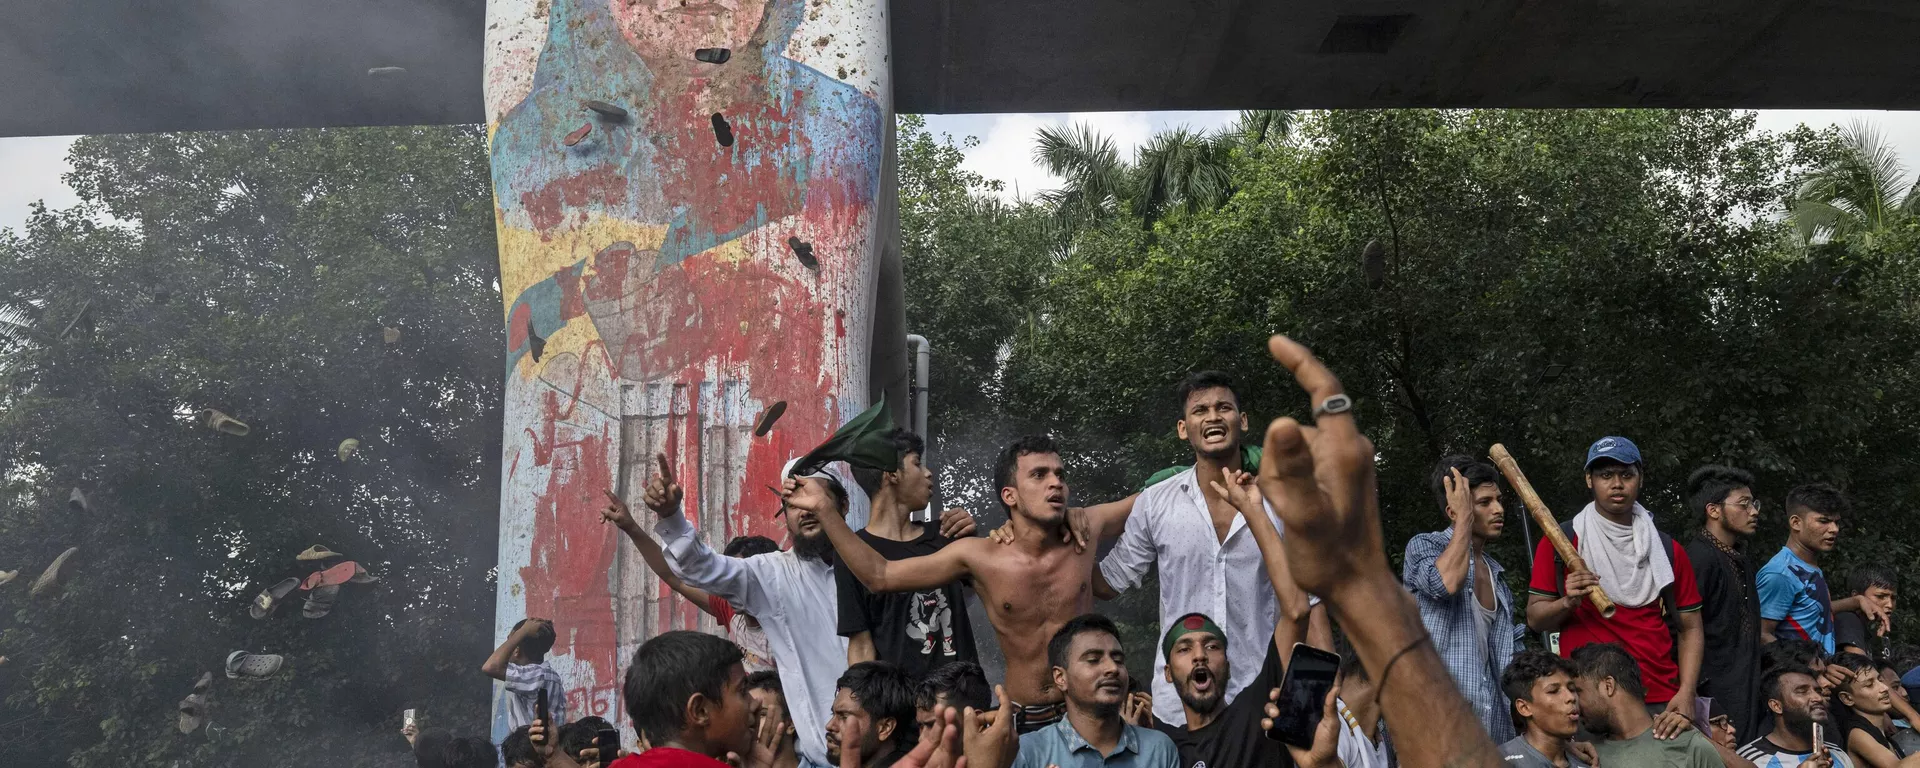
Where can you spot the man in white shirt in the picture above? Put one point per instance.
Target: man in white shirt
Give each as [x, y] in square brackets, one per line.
[1208, 560]
[792, 593]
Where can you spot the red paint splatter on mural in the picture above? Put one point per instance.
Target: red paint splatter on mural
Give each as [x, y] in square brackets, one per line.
[547, 205]
[567, 532]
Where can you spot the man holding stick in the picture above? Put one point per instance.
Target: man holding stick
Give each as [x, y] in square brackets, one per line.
[1645, 574]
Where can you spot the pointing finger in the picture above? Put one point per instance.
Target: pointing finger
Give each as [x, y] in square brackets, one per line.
[1315, 378]
[666, 469]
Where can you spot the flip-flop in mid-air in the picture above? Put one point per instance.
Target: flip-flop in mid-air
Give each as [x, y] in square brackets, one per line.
[271, 597]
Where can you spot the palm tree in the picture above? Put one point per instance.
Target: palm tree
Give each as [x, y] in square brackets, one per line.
[16, 336]
[1263, 127]
[1183, 170]
[1863, 193]
[1097, 180]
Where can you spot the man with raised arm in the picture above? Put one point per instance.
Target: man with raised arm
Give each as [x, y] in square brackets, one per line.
[1030, 588]
[1463, 600]
[791, 593]
[1321, 481]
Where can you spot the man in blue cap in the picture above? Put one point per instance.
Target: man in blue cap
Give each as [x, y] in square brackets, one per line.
[1648, 576]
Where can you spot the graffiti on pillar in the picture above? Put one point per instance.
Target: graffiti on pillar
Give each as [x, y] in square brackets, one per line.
[686, 193]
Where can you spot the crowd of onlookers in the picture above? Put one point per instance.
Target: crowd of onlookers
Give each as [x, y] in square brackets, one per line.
[852, 648]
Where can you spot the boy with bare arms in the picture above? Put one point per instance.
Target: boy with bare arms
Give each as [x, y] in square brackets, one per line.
[1030, 587]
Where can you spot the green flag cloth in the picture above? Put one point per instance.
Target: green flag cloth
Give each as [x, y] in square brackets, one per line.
[1249, 462]
[861, 442]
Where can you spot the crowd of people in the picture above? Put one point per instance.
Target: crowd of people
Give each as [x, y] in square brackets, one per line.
[853, 649]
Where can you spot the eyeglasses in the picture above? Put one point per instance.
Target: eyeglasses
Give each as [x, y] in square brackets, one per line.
[1744, 505]
[1720, 721]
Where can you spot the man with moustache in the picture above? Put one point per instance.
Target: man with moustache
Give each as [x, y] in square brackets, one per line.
[1794, 698]
[1464, 602]
[1089, 665]
[1613, 708]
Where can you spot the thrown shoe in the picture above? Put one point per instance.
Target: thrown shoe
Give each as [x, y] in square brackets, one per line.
[348, 448]
[317, 552]
[270, 598]
[193, 713]
[51, 577]
[6, 576]
[320, 601]
[220, 422]
[253, 666]
[77, 501]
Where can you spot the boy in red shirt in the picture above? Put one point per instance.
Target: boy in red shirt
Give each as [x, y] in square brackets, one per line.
[1646, 573]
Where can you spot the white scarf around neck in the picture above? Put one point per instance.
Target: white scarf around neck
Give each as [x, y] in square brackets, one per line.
[1622, 556]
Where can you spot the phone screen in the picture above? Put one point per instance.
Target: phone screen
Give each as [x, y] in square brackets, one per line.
[607, 740]
[540, 708]
[1303, 694]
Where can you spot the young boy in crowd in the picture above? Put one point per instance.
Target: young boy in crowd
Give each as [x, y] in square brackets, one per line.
[770, 703]
[1852, 630]
[1546, 709]
[1863, 721]
[687, 694]
[521, 662]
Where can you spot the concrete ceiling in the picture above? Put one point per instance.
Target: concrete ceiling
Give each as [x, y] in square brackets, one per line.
[108, 66]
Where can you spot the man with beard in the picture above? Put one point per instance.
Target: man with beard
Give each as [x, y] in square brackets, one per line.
[1546, 709]
[873, 719]
[1030, 588]
[1796, 702]
[1090, 666]
[1613, 707]
[792, 592]
[1729, 604]
[1464, 602]
[1199, 660]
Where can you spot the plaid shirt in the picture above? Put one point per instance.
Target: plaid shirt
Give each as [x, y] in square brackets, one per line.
[1451, 619]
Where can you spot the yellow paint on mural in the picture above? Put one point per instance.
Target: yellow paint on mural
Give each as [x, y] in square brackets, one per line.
[526, 259]
[571, 339]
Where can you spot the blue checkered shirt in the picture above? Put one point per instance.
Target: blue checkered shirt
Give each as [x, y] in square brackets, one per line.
[1451, 619]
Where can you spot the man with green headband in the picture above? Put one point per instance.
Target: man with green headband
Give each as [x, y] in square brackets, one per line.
[1217, 732]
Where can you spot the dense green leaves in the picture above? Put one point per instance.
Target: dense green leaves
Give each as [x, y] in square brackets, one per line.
[1550, 277]
[252, 273]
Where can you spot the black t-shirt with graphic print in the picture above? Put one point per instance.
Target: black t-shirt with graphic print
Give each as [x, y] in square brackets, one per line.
[920, 631]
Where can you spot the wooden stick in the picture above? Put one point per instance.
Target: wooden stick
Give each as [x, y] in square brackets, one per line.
[1544, 517]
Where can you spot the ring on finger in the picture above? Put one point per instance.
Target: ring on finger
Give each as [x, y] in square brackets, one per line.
[1340, 403]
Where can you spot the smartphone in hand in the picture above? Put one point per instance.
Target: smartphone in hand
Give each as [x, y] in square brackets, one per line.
[1303, 695]
[607, 741]
[541, 714]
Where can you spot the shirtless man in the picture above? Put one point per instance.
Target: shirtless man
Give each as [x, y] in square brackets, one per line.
[1030, 588]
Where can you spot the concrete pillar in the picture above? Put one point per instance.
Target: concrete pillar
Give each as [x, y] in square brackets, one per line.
[691, 212]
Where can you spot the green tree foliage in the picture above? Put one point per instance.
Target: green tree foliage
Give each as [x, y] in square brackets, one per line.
[1549, 277]
[252, 273]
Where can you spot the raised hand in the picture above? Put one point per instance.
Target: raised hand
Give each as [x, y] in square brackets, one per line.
[1459, 499]
[1238, 491]
[957, 523]
[550, 754]
[942, 752]
[663, 494]
[1321, 482]
[616, 512]
[852, 735]
[1138, 709]
[989, 737]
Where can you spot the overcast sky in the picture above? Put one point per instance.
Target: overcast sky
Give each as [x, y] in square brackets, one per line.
[30, 168]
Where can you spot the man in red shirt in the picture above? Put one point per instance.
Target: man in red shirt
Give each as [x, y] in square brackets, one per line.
[1648, 576]
[687, 693]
